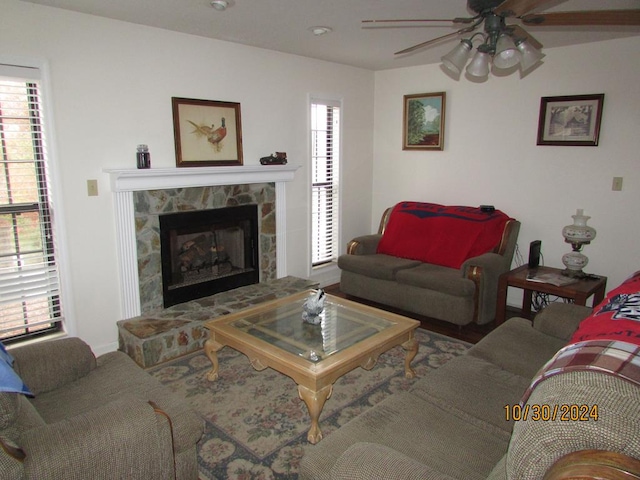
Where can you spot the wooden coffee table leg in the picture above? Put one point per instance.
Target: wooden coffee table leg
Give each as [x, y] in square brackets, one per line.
[315, 403]
[411, 346]
[211, 348]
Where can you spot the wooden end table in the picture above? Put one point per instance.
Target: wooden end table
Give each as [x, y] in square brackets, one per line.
[578, 291]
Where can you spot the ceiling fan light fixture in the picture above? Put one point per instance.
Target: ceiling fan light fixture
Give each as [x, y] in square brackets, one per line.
[479, 65]
[456, 59]
[507, 55]
[530, 55]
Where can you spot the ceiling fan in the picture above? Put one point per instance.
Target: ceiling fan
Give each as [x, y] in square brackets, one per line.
[505, 45]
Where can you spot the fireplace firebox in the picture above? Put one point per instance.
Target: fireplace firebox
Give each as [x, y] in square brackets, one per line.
[208, 251]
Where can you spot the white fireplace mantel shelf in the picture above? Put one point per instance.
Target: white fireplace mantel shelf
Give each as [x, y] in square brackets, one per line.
[131, 180]
[126, 181]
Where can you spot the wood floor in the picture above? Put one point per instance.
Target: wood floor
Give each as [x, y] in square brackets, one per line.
[469, 333]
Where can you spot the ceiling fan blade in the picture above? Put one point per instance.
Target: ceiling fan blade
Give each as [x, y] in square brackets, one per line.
[520, 32]
[584, 17]
[372, 23]
[517, 8]
[429, 42]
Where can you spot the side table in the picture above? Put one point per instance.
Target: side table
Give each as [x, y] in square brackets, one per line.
[578, 291]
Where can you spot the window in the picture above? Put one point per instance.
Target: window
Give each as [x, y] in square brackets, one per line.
[325, 162]
[29, 286]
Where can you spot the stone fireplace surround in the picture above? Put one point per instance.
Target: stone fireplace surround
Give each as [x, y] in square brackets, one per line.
[164, 334]
[149, 205]
[124, 182]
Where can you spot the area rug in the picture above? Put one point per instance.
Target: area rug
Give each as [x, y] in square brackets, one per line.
[255, 424]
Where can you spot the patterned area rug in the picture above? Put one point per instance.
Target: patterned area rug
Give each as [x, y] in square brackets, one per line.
[256, 426]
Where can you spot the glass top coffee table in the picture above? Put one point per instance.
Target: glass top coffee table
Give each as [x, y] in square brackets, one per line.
[274, 335]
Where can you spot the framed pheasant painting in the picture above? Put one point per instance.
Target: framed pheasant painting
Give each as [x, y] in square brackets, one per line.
[206, 132]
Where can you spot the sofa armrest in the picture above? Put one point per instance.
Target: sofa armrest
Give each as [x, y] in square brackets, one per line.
[364, 245]
[125, 438]
[49, 365]
[596, 411]
[560, 320]
[485, 271]
[369, 460]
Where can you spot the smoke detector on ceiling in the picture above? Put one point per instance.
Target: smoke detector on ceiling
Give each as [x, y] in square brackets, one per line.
[220, 5]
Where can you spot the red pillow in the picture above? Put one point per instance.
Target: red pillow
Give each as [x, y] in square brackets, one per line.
[617, 317]
[441, 235]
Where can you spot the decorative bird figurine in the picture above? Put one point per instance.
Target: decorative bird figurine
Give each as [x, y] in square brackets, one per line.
[312, 307]
[214, 135]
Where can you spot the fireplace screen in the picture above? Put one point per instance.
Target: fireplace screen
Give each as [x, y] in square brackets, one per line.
[208, 251]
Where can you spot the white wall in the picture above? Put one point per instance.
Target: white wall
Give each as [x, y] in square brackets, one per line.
[491, 156]
[112, 84]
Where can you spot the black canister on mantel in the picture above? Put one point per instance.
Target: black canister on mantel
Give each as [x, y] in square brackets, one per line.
[143, 157]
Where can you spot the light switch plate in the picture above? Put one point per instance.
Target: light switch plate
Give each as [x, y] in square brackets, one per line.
[92, 188]
[617, 184]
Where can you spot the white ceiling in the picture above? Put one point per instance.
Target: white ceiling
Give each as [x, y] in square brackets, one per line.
[283, 25]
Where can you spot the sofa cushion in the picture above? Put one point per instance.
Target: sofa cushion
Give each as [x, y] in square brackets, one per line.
[364, 461]
[43, 368]
[117, 375]
[442, 235]
[438, 278]
[517, 347]
[418, 429]
[472, 386]
[384, 267]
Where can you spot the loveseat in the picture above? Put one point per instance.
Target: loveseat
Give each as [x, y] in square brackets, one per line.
[85, 417]
[443, 262]
[526, 401]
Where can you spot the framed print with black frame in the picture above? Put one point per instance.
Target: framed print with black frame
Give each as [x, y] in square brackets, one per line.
[423, 121]
[206, 132]
[570, 120]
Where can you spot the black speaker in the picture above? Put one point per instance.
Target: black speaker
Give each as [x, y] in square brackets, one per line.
[534, 253]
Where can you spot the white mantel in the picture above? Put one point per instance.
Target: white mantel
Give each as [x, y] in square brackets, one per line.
[126, 181]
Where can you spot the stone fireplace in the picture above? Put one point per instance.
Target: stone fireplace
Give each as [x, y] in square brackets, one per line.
[142, 196]
[186, 212]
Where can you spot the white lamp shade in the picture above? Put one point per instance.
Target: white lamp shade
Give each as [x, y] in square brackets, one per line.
[507, 55]
[530, 55]
[456, 59]
[479, 65]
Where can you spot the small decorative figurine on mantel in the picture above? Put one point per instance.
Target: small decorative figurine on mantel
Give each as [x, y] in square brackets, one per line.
[312, 308]
[280, 158]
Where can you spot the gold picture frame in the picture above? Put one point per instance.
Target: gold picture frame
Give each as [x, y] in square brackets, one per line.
[206, 132]
[423, 121]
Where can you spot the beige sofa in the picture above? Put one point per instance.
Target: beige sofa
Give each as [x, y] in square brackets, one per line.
[456, 295]
[103, 418]
[457, 422]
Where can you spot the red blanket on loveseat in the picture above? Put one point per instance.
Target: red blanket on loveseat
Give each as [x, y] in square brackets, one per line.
[441, 235]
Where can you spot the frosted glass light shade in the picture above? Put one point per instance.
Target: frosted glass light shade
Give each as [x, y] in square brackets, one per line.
[479, 65]
[455, 60]
[507, 55]
[530, 55]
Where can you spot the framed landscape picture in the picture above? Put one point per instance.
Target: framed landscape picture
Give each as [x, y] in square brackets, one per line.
[570, 120]
[207, 133]
[423, 121]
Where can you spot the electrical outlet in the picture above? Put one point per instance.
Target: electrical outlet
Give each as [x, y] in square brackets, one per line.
[617, 184]
[92, 188]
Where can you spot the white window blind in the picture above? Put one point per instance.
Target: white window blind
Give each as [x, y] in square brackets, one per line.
[29, 285]
[325, 159]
